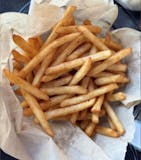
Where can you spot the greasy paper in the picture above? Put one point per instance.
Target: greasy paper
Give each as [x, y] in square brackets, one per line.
[19, 136]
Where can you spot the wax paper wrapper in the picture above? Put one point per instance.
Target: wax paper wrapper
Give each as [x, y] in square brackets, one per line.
[19, 136]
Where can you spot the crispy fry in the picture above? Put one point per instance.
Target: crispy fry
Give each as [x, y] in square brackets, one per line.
[92, 38]
[117, 67]
[35, 107]
[106, 131]
[24, 45]
[103, 74]
[74, 117]
[19, 57]
[110, 61]
[97, 92]
[95, 118]
[120, 96]
[35, 42]
[90, 129]
[59, 82]
[87, 22]
[64, 90]
[69, 110]
[80, 74]
[97, 106]
[78, 62]
[24, 104]
[111, 79]
[84, 124]
[111, 123]
[79, 51]
[114, 118]
[73, 29]
[25, 85]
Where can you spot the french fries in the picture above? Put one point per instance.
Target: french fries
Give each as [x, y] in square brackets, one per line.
[72, 76]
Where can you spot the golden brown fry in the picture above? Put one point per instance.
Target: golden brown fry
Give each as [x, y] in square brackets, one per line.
[110, 61]
[79, 51]
[29, 77]
[106, 131]
[91, 85]
[111, 124]
[17, 92]
[97, 92]
[35, 42]
[111, 79]
[25, 85]
[24, 104]
[81, 73]
[68, 13]
[103, 74]
[66, 66]
[35, 107]
[87, 22]
[95, 118]
[114, 118]
[97, 106]
[46, 51]
[19, 57]
[120, 96]
[90, 129]
[69, 49]
[59, 82]
[73, 29]
[64, 90]
[117, 68]
[92, 38]
[69, 110]
[24, 45]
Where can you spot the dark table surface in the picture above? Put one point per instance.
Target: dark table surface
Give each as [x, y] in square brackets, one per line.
[125, 18]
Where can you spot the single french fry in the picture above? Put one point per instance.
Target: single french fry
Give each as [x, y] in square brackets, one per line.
[36, 42]
[46, 51]
[111, 124]
[68, 13]
[24, 45]
[103, 74]
[17, 92]
[85, 82]
[73, 29]
[35, 107]
[90, 129]
[91, 85]
[45, 63]
[69, 110]
[114, 118]
[110, 61]
[17, 65]
[95, 118]
[98, 104]
[120, 96]
[106, 131]
[66, 66]
[59, 82]
[79, 51]
[64, 90]
[19, 57]
[117, 68]
[84, 124]
[111, 79]
[74, 117]
[92, 38]
[69, 49]
[48, 78]
[97, 92]
[25, 85]
[93, 50]
[81, 73]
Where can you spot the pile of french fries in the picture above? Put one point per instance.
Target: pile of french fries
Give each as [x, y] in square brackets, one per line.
[72, 76]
